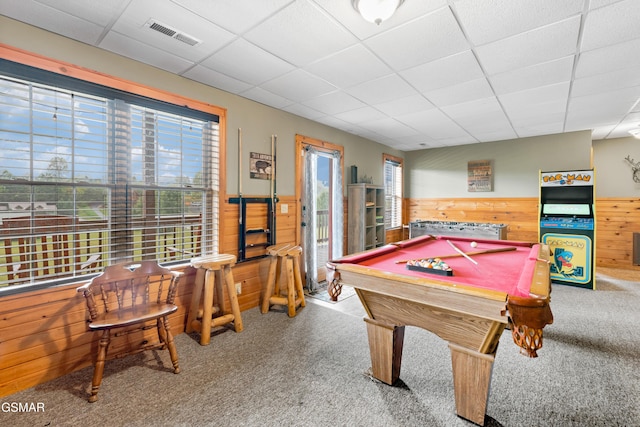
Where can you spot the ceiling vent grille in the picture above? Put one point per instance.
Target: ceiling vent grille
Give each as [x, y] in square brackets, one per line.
[173, 33]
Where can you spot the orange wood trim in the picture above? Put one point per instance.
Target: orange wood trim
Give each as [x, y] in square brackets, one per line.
[321, 145]
[28, 58]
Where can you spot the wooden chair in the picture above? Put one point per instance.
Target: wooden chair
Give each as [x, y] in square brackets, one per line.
[127, 297]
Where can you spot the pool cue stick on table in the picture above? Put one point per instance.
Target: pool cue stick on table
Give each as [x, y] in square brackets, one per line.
[485, 251]
[455, 248]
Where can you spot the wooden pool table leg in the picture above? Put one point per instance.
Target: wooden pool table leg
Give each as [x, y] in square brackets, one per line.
[471, 380]
[385, 346]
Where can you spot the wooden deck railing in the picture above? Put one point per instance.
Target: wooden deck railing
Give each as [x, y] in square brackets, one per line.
[50, 248]
[322, 225]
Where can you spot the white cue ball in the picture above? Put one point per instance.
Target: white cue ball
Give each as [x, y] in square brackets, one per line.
[474, 244]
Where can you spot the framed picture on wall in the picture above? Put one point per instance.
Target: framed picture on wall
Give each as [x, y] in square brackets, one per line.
[479, 176]
[260, 166]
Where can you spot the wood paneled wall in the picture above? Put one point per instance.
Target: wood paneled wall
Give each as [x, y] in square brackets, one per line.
[616, 221]
[43, 334]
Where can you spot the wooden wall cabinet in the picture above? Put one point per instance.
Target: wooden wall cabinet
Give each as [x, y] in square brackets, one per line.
[365, 217]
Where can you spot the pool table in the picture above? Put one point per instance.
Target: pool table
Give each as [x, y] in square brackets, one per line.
[493, 284]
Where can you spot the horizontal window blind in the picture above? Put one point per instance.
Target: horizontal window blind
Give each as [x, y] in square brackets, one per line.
[88, 180]
[393, 193]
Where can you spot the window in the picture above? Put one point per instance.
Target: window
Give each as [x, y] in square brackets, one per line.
[392, 191]
[93, 176]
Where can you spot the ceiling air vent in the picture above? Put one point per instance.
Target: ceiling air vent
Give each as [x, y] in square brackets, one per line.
[173, 33]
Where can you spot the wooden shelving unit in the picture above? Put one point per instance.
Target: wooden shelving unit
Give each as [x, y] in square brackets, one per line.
[365, 217]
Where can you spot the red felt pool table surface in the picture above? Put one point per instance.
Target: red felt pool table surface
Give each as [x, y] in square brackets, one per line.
[509, 271]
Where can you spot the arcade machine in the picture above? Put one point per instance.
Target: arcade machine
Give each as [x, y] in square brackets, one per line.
[567, 225]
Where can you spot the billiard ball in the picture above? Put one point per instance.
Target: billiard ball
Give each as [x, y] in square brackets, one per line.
[474, 244]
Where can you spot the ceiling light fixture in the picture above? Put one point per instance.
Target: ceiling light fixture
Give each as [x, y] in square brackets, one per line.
[376, 11]
[635, 133]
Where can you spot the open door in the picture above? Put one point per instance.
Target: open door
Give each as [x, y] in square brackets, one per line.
[321, 194]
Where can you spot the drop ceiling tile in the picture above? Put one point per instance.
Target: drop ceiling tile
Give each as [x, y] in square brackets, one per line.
[339, 124]
[532, 47]
[494, 135]
[56, 19]
[334, 102]
[434, 123]
[463, 92]
[537, 113]
[612, 24]
[479, 116]
[138, 51]
[265, 97]
[542, 74]
[298, 86]
[425, 39]
[236, 16]
[317, 35]
[602, 109]
[443, 72]
[246, 62]
[303, 111]
[527, 49]
[349, 67]
[608, 59]
[595, 4]
[630, 122]
[538, 95]
[218, 80]
[604, 132]
[539, 128]
[361, 115]
[133, 24]
[487, 21]
[381, 90]
[452, 141]
[408, 104]
[100, 13]
[389, 128]
[628, 77]
[577, 123]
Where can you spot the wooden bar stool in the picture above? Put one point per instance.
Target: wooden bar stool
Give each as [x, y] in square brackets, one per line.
[213, 271]
[284, 256]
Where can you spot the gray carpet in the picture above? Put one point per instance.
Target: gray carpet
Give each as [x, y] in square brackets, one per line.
[311, 370]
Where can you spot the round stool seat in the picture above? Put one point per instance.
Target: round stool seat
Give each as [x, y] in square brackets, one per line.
[284, 260]
[207, 309]
[276, 249]
[213, 262]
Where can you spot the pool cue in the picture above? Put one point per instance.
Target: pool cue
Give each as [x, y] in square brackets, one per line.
[455, 248]
[240, 175]
[485, 251]
[274, 198]
[274, 167]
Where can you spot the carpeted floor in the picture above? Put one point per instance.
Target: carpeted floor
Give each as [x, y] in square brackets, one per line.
[311, 370]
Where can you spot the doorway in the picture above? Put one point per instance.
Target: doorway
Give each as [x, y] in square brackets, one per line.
[320, 191]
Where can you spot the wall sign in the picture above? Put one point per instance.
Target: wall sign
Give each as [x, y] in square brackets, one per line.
[479, 176]
[260, 165]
